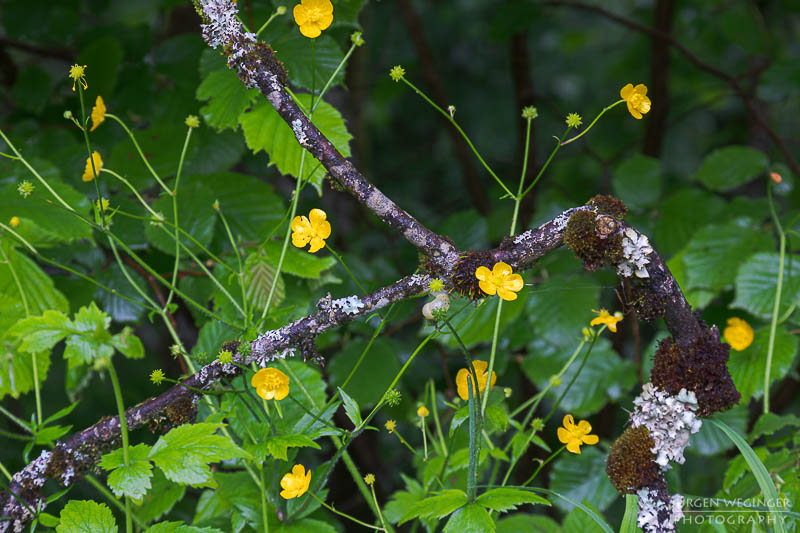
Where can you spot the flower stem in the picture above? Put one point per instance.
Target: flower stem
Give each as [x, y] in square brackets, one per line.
[584, 132]
[474, 441]
[546, 164]
[773, 325]
[123, 428]
[141, 154]
[543, 464]
[264, 517]
[175, 218]
[345, 515]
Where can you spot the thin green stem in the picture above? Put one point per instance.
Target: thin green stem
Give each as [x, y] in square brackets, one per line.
[21, 423]
[19, 237]
[543, 464]
[518, 197]
[492, 355]
[240, 273]
[344, 515]
[546, 164]
[463, 134]
[123, 428]
[139, 150]
[264, 517]
[436, 422]
[175, 218]
[349, 272]
[584, 132]
[5, 472]
[474, 441]
[773, 326]
[264, 26]
[378, 507]
[333, 77]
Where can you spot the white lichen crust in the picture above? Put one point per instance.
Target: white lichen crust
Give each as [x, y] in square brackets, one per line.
[635, 249]
[671, 420]
[656, 515]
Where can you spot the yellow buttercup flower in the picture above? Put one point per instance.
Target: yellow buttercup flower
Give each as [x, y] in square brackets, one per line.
[314, 229]
[738, 334]
[574, 435]
[480, 372]
[14, 222]
[390, 426]
[88, 173]
[271, 384]
[604, 317]
[98, 113]
[501, 280]
[76, 72]
[422, 411]
[313, 16]
[295, 483]
[636, 98]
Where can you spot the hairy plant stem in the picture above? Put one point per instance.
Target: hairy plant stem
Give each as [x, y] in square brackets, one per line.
[123, 428]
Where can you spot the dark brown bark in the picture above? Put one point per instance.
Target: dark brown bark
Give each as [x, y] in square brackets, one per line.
[659, 78]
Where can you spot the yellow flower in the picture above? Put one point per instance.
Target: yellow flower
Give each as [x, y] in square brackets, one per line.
[390, 426]
[271, 383]
[98, 113]
[636, 98]
[604, 317]
[76, 72]
[738, 334]
[102, 204]
[192, 121]
[88, 173]
[313, 16]
[369, 479]
[573, 436]
[314, 229]
[501, 280]
[480, 372]
[422, 411]
[295, 483]
[574, 120]
[14, 222]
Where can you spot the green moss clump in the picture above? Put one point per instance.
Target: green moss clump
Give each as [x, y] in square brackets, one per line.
[631, 463]
[646, 303]
[609, 205]
[592, 248]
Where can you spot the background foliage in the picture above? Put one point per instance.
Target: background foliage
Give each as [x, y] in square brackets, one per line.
[693, 174]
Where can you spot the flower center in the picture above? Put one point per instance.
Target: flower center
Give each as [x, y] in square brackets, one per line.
[272, 383]
[314, 14]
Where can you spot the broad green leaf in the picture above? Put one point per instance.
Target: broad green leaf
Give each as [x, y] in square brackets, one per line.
[496, 417]
[16, 369]
[41, 224]
[259, 276]
[186, 451]
[86, 516]
[437, 506]
[480, 327]
[559, 307]
[229, 98]
[710, 440]
[471, 518]
[295, 419]
[748, 366]
[40, 292]
[196, 216]
[506, 499]
[580, 521]
[49, 434]
[715, 253]
[350, 408]
[683, 213]
[757, 281]
[468, 229]
[295, 51]
[727, 168]
[32, 89]
[132, 480]
[61, 413]
[529, 523]
[760, 472]
[280, 443]
[161, 498]
[582, 477]
[307, 525]
[89, 338]
[637, 181]
[128, 344]
[631, 514]
[375, 373]
[179, 527]
[298, 262]
[769, 423]
[250, 206]
[265, 130]
[697, 298]
[41, 333]
[104, 55]
[403, 500]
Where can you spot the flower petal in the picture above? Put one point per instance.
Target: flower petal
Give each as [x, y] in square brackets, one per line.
[310, 30]
[317, 244]
[317, 216]
[506, 295]
[323, 230]
[514, 282]
[488, 287]
[502, 269]
[591, 439]
[640, 89]
[300, 14]
[569, 422]
[626, 91]
[563, 435]
[325, 20]
[461, 384]
[574, 447]
[482, 273]
[584, 427]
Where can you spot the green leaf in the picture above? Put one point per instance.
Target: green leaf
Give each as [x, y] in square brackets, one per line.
[307, 525]
[479, 327]
[103, 56]
[186, 451]
[471, 518]
[468, 229]
[683, 213]
[710, 440]
[295, 51]
[196, 217]
[49, 434]
[128, 344]
[727, 168]
[47, 520]
[40, 292]
[259, 275]
[351, 408]
[280, 443]
[179, 527]
[529, 523]
[229, 98]
[41, 333]
[161, 499]
[132, 480]
[376, 371]
[265, 130]
[61, 413]
[759, 471]
[298, 262]
[697, 298]
[437, 506]
[580, 521]
[403, 500]
[769, 423]
[16, 369]
[582, 477]
[89, 338]
[631, 513]
[32, 89]
[505, 499]
[715, 253]
[497, 417]
[86, 516]
[757, 282]
[637, 181]
[747, 367]
[580, 509]
[560, 307]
